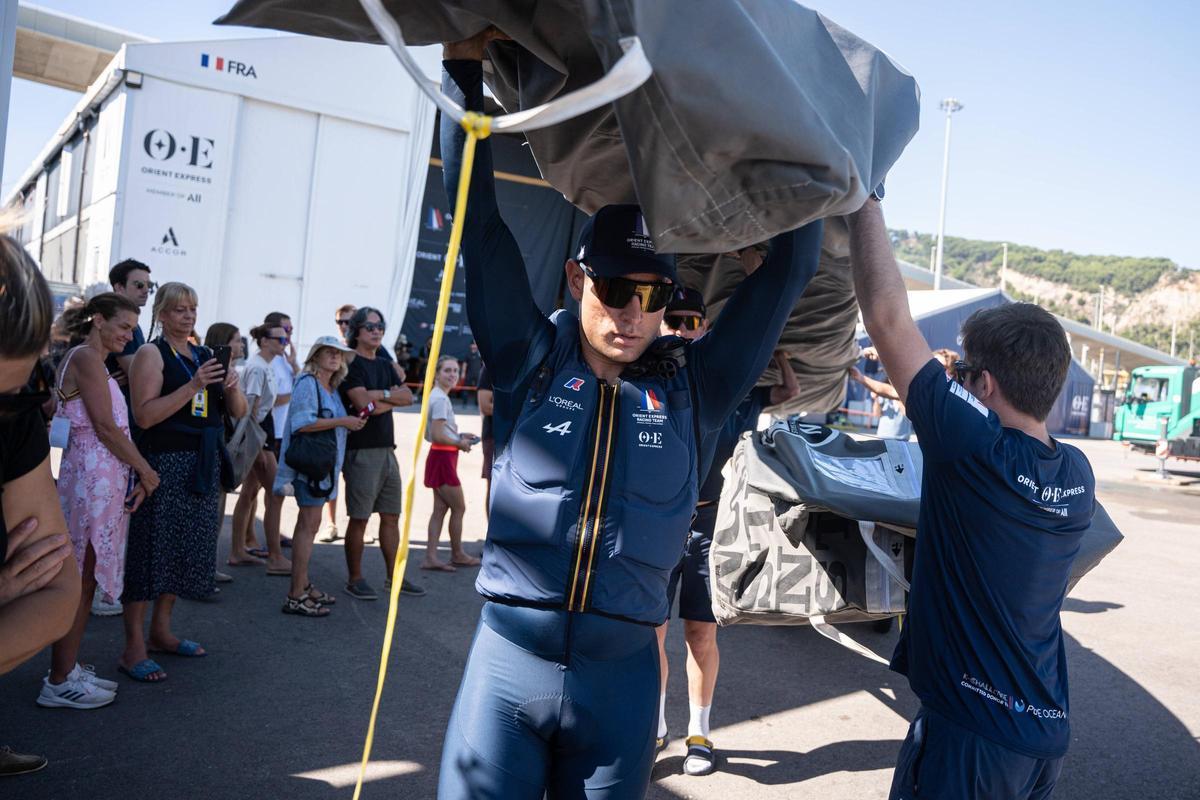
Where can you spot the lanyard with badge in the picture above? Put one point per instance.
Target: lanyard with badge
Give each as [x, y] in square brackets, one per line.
[200, 399]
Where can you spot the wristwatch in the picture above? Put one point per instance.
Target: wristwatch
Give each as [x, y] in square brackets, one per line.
[877, 194]
[387, 394]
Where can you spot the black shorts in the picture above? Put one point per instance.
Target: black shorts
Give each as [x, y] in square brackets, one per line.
[691, 575]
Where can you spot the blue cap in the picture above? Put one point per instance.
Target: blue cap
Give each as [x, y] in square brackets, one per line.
[616, 242]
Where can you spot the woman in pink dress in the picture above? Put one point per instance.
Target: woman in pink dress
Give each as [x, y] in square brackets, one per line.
[94, 485]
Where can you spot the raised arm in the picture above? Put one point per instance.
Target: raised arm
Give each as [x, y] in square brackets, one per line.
[504, 318]
[883, 299]
[726, 362]
[788, 387]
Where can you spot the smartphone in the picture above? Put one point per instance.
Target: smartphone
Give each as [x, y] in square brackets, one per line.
[366, 412]
[223, 353]
[133, 482]
[472, 438]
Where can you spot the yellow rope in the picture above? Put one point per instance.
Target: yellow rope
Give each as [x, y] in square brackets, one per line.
[477, 126]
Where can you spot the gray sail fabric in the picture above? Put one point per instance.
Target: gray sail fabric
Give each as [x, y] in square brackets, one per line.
[761, 115]
[789, 544]
[819, 337]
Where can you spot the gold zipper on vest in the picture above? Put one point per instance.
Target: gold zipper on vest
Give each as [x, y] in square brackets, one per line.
[591, 517]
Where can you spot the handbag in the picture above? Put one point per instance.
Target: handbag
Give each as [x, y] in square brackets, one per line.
[314, 454]
[60, 425]
[244, 446]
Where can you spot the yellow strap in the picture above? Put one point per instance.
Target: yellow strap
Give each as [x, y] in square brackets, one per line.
[477, 126]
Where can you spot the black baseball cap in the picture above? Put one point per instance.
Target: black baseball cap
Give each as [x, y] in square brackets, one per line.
[615, 241]
[687, 299]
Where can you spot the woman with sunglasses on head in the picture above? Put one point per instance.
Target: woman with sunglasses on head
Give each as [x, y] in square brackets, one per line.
[258, 384]
[100, 466]
[441, 469]
[180, 396]
[602, 432]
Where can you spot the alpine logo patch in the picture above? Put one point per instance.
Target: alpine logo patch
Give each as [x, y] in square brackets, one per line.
[574, 384]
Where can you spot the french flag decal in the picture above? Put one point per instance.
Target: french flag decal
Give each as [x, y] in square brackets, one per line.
[650, 401]
[220, 62]
[435, 220]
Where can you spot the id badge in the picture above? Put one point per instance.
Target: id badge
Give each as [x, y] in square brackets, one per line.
[200, 404]
[60, 432]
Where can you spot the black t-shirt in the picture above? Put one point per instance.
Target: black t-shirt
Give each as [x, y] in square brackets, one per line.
[23, 445]
[485, 382]
[369, 373]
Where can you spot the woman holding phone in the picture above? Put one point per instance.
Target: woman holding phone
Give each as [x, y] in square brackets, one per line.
[258, 382]
[100, 464]
[441, 470]
[180, 393]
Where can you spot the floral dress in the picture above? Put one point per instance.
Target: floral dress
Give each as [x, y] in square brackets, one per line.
[92, 486]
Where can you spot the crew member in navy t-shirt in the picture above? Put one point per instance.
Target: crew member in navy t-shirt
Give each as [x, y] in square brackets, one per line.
[1003, 508]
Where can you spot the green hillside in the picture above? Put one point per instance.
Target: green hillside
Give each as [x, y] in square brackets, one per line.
[979, 263]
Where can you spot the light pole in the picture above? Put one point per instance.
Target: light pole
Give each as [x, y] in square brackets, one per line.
[949, 105]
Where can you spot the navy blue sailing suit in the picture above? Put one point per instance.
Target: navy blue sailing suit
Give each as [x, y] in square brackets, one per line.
[593, 489]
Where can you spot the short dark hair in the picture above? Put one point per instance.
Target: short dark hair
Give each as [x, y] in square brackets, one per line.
[357, 321]
[119, 274]
[1026, 350]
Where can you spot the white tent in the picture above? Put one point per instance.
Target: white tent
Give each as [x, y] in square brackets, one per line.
[282, 173]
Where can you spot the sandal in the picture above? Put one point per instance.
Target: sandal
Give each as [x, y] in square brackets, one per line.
[699, 759]
[186, 648]
[304, 607]
[324, 598]
[142, 671]
[259, 552]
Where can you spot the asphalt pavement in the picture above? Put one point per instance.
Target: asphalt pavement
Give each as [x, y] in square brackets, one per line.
[280, 706]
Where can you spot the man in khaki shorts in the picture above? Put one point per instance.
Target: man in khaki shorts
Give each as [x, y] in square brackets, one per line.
[371, 473]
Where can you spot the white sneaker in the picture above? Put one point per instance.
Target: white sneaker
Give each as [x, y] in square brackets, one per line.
[77, 693]
[329, 534]
[105, 606]
[87, 672]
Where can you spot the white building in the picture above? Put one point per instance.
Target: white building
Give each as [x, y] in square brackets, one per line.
[276, 174]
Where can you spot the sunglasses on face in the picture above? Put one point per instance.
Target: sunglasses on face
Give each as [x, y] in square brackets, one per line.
[374, 326]
[280, 339]
[963, 371]
[343, 323]
[677, 322]
[617, 292]
[139, 285]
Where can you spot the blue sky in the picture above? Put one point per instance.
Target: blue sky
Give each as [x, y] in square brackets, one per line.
[1079, 132]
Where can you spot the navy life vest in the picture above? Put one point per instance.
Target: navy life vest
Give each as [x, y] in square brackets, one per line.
[593, 489]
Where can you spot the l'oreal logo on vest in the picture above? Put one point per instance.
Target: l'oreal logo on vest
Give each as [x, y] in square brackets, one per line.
[228, 66]
[169, 245]
[564, 403]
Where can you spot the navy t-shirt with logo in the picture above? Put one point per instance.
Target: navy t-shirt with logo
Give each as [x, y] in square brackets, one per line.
[1001, 519]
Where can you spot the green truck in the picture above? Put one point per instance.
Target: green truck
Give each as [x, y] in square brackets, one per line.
[1155, 394]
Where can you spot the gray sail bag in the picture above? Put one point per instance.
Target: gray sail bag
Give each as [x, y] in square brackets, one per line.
[816, 527]
[761, 115]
